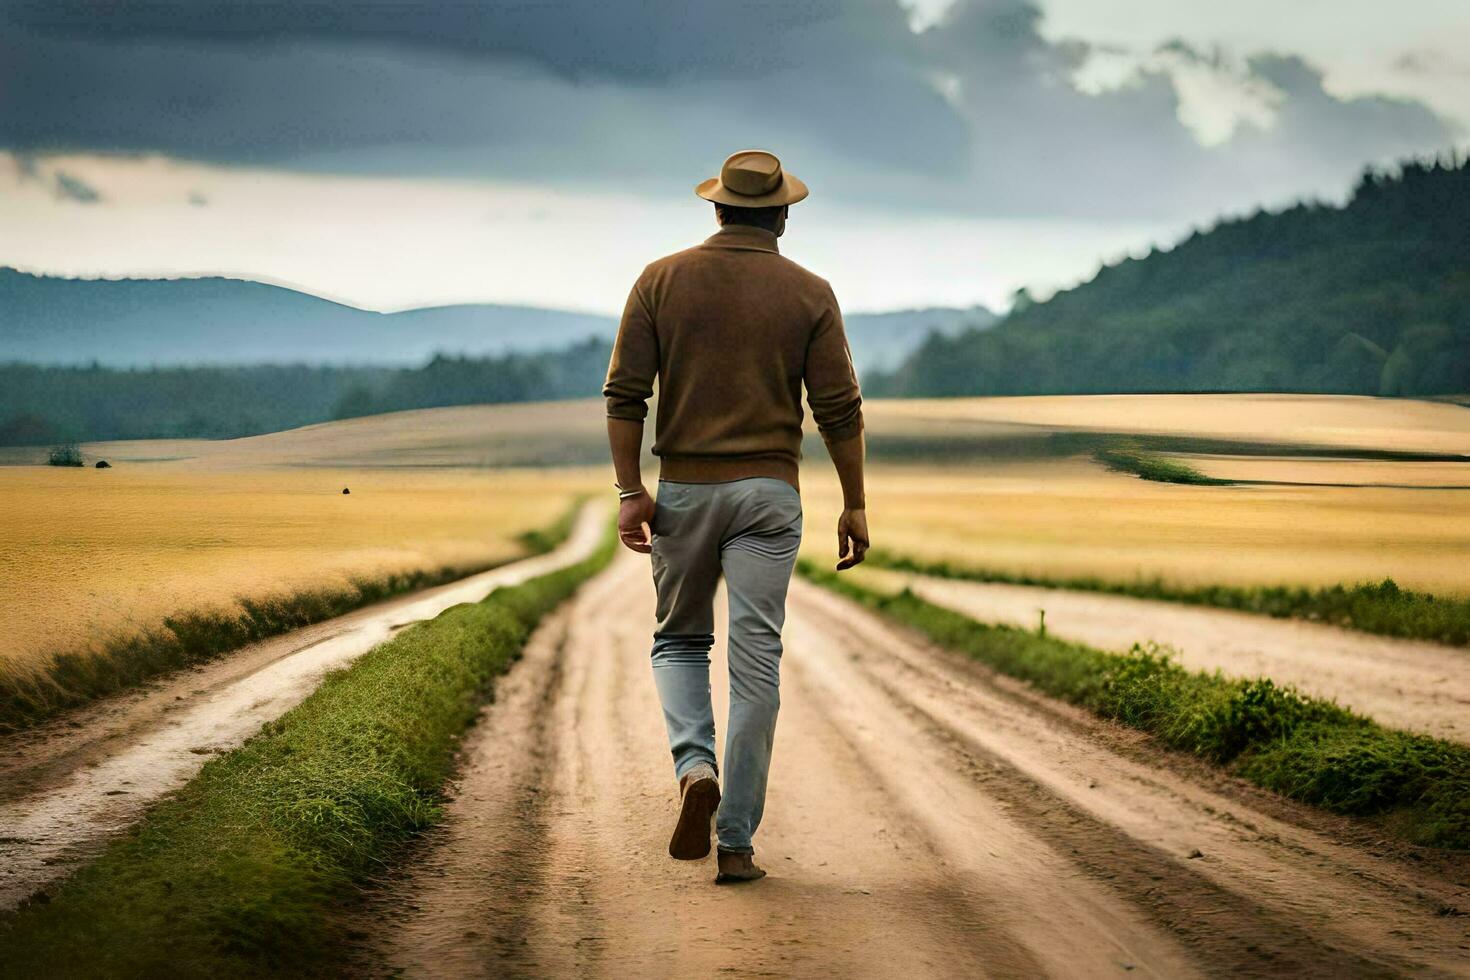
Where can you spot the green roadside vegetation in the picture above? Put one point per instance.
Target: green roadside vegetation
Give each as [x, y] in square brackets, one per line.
[1152, 466]
[1383, 608]
[64, 680]
[1302, 747]
[238, 873]
[541, 540]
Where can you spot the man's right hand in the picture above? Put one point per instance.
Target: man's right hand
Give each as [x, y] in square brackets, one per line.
[635, 515]
[852, 538]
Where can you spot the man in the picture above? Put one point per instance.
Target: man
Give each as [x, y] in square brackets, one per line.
[732, 331]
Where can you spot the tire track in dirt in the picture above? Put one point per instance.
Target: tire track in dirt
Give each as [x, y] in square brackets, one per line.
[479, 895]
[1261, 897]
[615, 904]
[926, 818]
[1408, 684]
[73, 784]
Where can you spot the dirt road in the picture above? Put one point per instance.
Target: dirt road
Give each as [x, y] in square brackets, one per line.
[1422, 687]
[69, 786]
[926, 818]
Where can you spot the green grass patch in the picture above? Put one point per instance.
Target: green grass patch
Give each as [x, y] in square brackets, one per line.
[1301, 747]
[540, 540]
[237, 874]
[1152, 466]
[1380, 607]
[54, 683]
[67, 454]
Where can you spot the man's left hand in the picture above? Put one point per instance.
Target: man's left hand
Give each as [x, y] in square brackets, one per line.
[635, 515]
[852, 538]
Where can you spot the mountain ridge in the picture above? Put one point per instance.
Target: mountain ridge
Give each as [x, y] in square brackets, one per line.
[1371, 297]
[227, 320]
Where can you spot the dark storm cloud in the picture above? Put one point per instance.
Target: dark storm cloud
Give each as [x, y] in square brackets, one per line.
[1038, 137]
[522, 89]
[1042, 142]
[647, 95]
[583, 39]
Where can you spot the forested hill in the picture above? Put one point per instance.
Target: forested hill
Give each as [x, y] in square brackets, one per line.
[1369, 298]
[42, 404]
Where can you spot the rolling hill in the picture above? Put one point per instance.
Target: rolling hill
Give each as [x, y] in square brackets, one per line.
[223, 358]
[219, 321]
[1369, 298]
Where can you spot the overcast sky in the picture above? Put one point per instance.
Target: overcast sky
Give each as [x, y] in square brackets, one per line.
[400, 154]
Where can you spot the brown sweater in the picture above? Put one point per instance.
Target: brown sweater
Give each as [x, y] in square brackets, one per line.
[732, 330]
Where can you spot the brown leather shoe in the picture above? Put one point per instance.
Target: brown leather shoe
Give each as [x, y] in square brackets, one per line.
[700, 789]
[737, 867]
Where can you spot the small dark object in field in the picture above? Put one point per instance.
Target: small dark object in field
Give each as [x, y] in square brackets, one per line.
[103, 464]
[67, 454]
[345, 490]
[1196, 853]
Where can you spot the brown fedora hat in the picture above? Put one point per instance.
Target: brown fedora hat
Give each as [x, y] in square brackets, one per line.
[752, 179]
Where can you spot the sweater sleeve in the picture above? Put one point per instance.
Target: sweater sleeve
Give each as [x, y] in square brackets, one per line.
[634, 362]
[831, 383]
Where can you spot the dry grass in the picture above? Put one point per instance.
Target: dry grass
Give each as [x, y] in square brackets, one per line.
[83, 552]
[1339, 421]
[186, 525]
[1071, 518]
[1344, 472]
[87, 554]
[539, 434]
[1066, 517]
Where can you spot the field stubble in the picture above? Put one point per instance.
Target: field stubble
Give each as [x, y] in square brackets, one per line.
[88, 553]
[1071, 518]
[95, 555]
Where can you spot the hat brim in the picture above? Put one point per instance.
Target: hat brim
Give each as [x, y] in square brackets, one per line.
[789, 191]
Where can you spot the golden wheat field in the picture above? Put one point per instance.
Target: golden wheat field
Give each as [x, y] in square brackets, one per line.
[177, 524]
[477, 436]
[1298, 520]
[1337, 421]
[86, 554]
[1072, 517]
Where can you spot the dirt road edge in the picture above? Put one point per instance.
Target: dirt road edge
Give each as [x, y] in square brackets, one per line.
[1304, 748]
[235, 873]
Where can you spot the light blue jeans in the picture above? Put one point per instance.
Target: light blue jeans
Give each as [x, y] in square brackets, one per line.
[748, 531]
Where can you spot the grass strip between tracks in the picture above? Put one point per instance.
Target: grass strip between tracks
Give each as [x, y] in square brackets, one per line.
[1381, 608]
[1302, 747]
[237, 874]
[65, 680]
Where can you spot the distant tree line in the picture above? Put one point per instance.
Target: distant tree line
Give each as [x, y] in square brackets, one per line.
[41, 405]
[1371, 298]
[573, 372]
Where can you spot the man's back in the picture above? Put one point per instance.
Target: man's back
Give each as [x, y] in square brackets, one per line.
[732, 330]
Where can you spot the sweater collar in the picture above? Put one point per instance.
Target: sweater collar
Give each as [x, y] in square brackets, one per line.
[744, 236]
